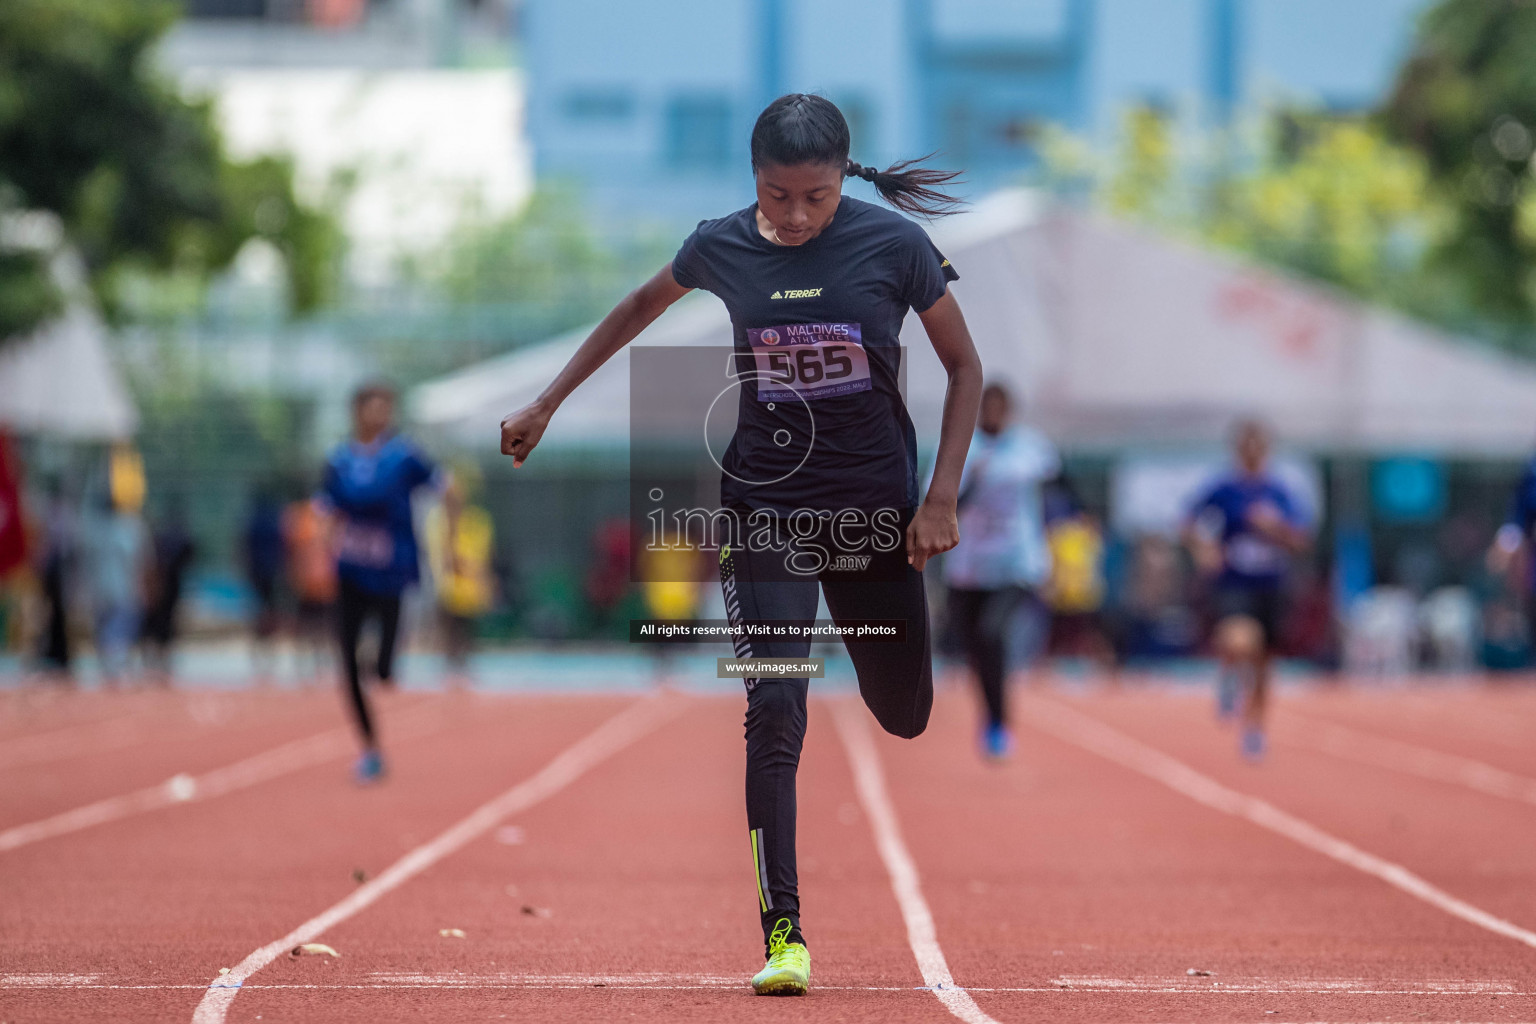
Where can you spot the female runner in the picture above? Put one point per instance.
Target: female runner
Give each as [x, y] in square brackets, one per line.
[810, 273]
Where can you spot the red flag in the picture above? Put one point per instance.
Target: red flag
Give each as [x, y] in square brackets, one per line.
[13, 532]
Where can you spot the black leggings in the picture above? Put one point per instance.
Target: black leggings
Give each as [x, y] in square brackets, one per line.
[982, 618]
[895, 680]
[356, 606]
[55, 648]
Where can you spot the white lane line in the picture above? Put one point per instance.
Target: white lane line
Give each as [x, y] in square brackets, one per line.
[1283, 986]
[613, 735]
[1066, 982]
[1411, 759]
[1092, 735]
[640, 980]
[183, 788]
[869, 779]
[1143, 985]
[50, 980]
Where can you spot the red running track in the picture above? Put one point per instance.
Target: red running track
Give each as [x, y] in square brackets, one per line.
[1065, 885]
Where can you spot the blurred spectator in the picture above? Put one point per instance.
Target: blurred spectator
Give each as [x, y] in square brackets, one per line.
[13, 521]
[1159, 620]
[460, 544]
[265, 555]
[1448, 619]
[1505, 646]
[1381, 630]
[173, 555]
[1510, 555]
[607, 582]
[56, 553]
[118, 570]
[1311, 629]
[671, 589]
[309, 543]
[1075, 593]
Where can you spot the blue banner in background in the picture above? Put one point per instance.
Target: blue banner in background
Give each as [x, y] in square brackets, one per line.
[1408, 490]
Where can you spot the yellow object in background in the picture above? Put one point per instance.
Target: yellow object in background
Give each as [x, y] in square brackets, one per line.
[1077, 566]
[464, 583]
[671, 600]
[671, 590]
[125, 478]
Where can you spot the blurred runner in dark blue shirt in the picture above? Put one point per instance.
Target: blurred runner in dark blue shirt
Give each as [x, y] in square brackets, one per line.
[368, 484]
[1243, 532]
[1515, 537]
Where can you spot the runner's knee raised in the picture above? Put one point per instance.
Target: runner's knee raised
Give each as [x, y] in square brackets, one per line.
[1240, 636]
[906, 718]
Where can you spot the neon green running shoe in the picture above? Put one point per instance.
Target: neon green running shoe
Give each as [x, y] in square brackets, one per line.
[788, 971]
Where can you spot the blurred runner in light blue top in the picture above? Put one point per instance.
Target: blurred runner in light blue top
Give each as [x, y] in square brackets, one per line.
[1002, 510]
[996, 571]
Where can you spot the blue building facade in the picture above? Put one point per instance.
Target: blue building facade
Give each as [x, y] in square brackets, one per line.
[648, 104]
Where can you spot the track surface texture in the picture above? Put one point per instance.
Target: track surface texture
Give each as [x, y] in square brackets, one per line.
[581, 858]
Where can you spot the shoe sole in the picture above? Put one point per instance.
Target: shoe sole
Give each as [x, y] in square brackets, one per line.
[781, 988]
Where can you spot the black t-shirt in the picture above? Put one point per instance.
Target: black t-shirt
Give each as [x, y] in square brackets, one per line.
[820, 422]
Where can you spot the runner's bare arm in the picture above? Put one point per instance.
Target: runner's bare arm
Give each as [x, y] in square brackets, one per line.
[1272, 525]
[1203, 546]
[1506, 545]
[934, 528]
[521, 430]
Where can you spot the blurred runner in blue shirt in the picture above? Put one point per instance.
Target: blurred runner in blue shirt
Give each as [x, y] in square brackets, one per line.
[1516, 536]
[996, 572]
[368, 483]
[1243, 533]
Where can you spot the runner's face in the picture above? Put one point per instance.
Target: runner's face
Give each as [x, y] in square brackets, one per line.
[798, 200]
[374, 416]
[994, 413]
[1252, 450]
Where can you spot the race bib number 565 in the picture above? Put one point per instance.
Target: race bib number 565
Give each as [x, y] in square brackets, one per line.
[809, 361]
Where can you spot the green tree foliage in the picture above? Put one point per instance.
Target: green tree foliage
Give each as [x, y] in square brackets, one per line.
[209, 447]
[27, 297]
[135, 173]
[546, 254]
[1331, 198]
[1466, 100]
[1336, 201]
[1146, 171]
[259, 201]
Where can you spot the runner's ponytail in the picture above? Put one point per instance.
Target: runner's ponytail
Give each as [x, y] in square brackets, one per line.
[910, 188]
[801, 128]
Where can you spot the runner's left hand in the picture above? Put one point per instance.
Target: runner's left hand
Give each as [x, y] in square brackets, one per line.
[933, 529]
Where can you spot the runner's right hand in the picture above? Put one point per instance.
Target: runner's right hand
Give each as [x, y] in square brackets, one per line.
[1207, 555]
[521, 430]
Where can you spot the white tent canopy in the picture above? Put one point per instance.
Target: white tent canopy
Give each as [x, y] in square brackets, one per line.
[61, 380]
[1115, 337]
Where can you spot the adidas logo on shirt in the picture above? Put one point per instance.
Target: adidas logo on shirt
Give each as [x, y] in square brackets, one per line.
[797, 293]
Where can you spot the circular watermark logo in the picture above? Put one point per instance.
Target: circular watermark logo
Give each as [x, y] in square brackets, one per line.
[781, 438]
